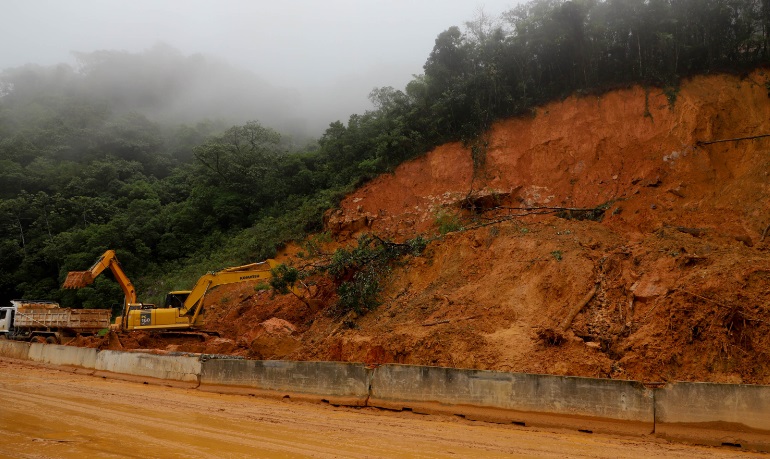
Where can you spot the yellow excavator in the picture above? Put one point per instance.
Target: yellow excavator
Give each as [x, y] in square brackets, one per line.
[108, 260]
[183, 309]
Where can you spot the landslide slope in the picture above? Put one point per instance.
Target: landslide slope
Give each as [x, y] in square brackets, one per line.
[678, 258]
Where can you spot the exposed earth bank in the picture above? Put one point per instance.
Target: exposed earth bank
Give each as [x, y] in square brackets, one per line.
[673, 262]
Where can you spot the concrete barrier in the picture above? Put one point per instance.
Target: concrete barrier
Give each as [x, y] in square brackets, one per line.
[714, 414]
[334, 382]
[584, 404]
[63, 355]
[177, 370]
[705, 413]
[14, 349]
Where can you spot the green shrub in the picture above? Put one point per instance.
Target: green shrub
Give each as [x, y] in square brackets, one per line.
[448, 223]
[361, 270]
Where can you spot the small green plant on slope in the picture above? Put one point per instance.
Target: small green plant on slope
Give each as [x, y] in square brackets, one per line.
[671, 93]
[360, 271]
[312, 244]
[448, 223]
[284, 278]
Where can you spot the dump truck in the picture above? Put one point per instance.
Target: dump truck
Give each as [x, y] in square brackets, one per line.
[183, 309]
[37, 320]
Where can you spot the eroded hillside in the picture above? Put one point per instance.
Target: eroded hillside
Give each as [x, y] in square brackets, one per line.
[677, 256]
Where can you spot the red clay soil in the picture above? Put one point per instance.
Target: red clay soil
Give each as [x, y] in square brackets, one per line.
[679, 258]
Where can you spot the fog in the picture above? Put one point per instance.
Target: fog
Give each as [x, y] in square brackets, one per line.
[294, 65]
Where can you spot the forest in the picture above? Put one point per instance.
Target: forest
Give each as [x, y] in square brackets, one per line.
[95, 158]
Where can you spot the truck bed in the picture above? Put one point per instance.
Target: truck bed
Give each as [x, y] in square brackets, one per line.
[76, 320]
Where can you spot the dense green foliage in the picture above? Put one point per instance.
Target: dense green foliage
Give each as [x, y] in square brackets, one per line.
[360, 270]
[86, 166]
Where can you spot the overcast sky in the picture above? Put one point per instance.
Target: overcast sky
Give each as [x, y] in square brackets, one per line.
[331, 45]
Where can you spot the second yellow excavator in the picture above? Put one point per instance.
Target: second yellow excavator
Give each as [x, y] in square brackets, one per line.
[182, 309]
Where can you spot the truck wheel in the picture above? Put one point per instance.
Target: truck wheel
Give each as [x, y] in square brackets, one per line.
[51, 340]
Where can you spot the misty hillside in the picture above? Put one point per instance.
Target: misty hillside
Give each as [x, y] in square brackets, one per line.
[168, 87]
[133, 151]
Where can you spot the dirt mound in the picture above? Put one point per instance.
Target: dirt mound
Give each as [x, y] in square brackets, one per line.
[613, 194]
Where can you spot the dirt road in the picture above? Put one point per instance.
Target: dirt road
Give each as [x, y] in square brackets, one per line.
[47, 413]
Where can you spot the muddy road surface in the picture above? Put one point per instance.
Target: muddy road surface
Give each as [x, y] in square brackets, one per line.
[47, 413]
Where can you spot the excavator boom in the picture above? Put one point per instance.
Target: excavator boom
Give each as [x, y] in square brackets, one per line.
[108, 260]
[251, 272]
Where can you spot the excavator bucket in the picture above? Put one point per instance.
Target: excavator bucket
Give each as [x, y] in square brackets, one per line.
[78, 279]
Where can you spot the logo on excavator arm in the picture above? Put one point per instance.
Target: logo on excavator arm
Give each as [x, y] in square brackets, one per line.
[253, 276]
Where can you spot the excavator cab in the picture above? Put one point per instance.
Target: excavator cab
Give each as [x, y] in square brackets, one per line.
[176, 299]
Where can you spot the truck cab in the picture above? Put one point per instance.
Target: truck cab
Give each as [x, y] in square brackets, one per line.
[6, 319]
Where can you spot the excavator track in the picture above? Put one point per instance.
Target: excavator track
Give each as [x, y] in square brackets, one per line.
[202, 335]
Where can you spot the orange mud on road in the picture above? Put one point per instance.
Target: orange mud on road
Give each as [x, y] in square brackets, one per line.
[48, 413]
